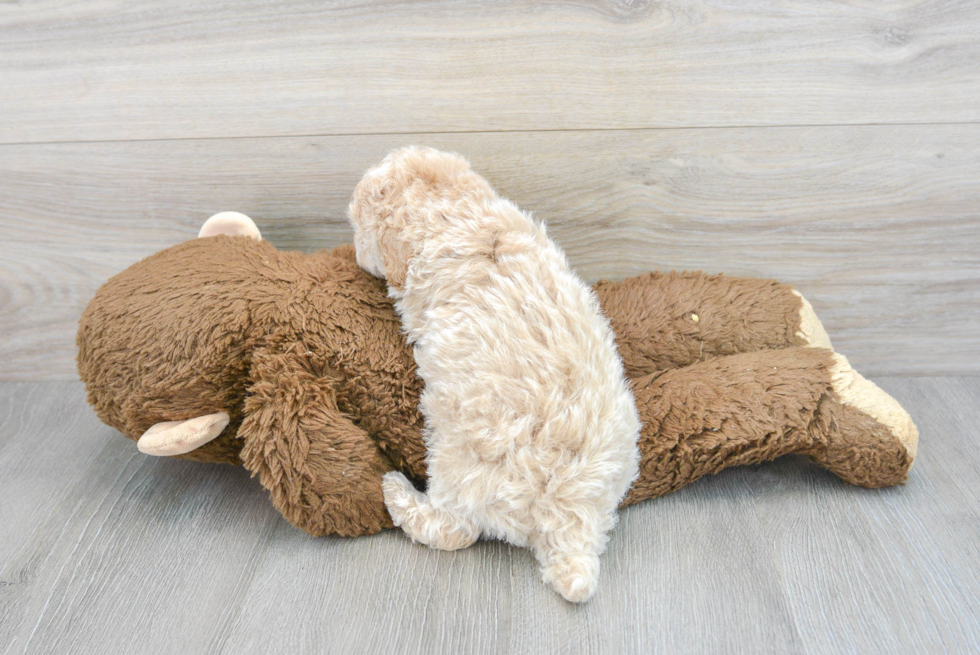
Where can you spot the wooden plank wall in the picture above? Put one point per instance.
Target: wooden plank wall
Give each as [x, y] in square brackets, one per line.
[832, 145]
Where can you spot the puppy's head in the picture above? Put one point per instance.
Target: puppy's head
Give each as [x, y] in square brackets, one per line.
[369, 210]
[387, 210]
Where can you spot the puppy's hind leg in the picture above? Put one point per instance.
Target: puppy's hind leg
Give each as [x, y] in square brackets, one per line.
[433, 526]
[570, 562]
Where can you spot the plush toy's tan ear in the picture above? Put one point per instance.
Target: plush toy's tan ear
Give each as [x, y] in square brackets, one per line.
[232, 224]
[179, 437]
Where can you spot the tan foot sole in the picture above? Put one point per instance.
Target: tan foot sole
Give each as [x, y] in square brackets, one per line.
[811, 329]
[178, 437]
[854, 390]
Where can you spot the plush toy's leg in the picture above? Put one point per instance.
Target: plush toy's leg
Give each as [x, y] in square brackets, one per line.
[179, 437]
[670, 320]
[322, 471]
[754, 407]
[231, 224]
[425, 523]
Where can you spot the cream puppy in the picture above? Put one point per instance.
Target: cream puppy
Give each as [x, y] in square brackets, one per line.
[531, 427]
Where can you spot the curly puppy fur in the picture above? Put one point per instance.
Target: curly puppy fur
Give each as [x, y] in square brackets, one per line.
[531, 425]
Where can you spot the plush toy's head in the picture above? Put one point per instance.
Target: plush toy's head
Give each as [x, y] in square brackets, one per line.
[169, 347]
[168, 340]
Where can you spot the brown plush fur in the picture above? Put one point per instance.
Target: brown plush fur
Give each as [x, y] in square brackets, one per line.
[305, 354]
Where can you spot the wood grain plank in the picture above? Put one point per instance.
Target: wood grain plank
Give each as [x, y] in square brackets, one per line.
[879, 226]
[34, 421]
[893, 570]
[135, 70]
[125, 553]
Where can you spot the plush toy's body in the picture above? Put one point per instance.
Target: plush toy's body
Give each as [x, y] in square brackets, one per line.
[303, 357]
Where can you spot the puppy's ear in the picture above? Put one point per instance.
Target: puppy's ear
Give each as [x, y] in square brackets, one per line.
[395, 250]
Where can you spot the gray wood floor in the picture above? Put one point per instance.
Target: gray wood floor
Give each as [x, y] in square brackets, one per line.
[105, 550]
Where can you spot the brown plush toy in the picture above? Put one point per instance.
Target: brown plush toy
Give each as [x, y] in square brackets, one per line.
[224, 349]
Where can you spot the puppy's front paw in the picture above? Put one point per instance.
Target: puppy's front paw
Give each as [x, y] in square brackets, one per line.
[399, 496]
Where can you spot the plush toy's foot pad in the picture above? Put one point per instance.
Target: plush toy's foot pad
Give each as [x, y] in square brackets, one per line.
[868, 397]
[811, 329]
[178, 437]
[869, 439]
[411, 511]
[232, 224]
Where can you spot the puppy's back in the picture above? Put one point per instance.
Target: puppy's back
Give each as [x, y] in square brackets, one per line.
[521, 369]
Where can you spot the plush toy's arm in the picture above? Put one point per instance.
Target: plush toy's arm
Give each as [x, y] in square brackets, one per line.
[754, 407]
[669, 320]
[322, 471]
